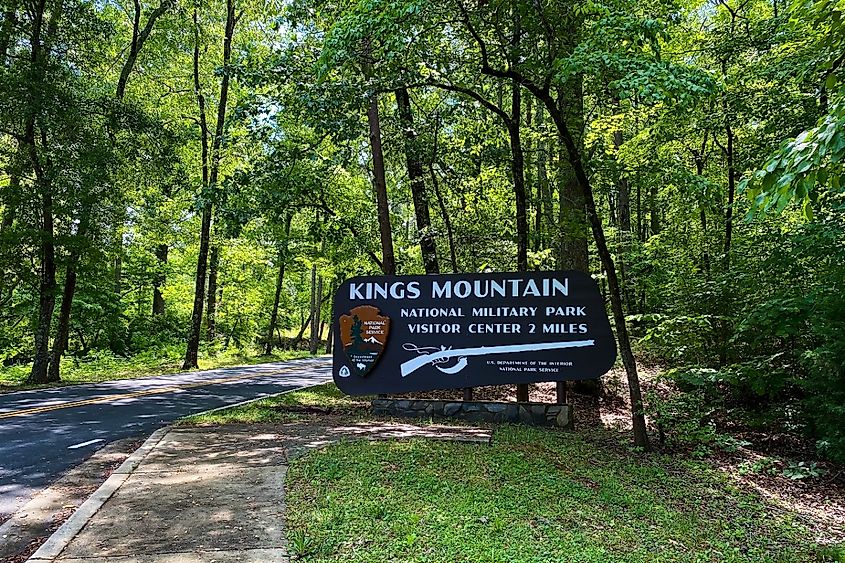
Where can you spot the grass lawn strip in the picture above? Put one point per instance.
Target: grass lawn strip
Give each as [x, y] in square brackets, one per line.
[534, 495]
[288, 407]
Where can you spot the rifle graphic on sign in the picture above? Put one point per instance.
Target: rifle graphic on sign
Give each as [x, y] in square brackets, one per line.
[409, 367]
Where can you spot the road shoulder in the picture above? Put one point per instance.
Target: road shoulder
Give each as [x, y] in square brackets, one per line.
[23, 532]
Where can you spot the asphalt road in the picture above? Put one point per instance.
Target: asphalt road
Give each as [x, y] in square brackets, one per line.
[43, 433]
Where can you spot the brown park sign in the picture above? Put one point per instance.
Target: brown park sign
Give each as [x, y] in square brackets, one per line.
[396, 334]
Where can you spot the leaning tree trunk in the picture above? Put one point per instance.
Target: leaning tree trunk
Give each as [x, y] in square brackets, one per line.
[575, 159]
[447, 220]
[63, 328]
[625, 351]
[274, 315]
[60, 342]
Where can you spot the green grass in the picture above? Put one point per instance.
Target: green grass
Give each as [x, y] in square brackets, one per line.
[534, 495]
[284, 408]
[105, 366]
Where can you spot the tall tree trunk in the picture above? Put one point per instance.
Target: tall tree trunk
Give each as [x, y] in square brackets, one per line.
[192, 350]
[518, 173]
[572, 251]
[280, 278]
[624, 192]
[447, 220]
[158, 280]
[210, 174]
[572, 247]
[623, 216]
[316, 306]
[699, 157]
[542, 181]
[329, 338]
[63, 327]
[654, 211]
[416, 175]
[211, 299]
[640, 229]
[441, 204]
[729, 206]
[388, 260]
[529, 168]
[727, 297]
[47, 272]
[46, 278]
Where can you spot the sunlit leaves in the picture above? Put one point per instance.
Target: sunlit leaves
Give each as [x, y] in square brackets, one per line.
[803, 167]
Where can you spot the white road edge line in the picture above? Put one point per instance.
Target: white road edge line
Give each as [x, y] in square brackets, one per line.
[61, 538]
[83, 444]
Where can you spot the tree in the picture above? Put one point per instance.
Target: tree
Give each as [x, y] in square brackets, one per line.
[211, 157]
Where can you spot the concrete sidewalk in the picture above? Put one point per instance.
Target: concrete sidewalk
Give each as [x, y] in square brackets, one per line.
[208, 494]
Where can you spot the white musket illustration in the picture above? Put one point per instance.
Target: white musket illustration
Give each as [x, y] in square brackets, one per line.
[414, 364]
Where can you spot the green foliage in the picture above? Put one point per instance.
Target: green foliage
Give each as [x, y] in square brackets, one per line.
[678, 339]
[803, 169]
[802, 470]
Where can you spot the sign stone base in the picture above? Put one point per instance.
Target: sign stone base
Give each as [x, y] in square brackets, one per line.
[531, 414]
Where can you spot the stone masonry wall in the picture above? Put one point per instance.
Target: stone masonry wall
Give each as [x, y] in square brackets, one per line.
[532, 414]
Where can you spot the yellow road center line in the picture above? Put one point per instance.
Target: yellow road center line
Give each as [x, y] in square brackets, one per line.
[153, 391]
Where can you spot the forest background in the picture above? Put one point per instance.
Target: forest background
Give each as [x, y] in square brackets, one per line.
[184, 179]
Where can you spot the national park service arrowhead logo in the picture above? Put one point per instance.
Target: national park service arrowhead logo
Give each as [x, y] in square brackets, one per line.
[363, 333]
